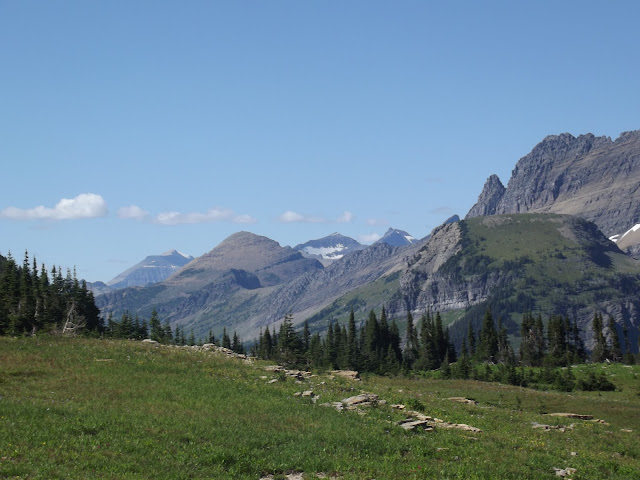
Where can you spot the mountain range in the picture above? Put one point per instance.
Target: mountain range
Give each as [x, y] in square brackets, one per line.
[540, 244]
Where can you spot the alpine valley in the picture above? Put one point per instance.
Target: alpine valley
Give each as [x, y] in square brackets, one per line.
[545, 243]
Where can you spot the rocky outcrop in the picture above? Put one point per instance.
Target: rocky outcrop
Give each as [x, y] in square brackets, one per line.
[592, 177]
[489, 198]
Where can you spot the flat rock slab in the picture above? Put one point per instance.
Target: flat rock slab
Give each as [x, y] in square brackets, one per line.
[433, 422]
[364, 399]
[467, 401]
[350, 374]
[571, 415]
[413, 424]
[560, 428]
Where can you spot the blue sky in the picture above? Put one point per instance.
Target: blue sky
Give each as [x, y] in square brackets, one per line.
[132, 127]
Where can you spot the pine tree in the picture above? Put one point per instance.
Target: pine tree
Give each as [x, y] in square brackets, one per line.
[168, 334]
[226, 341]
[306, 336]
[600, 350]
[615, 348]
[471, 340]
[156, 332]
[352, 343]
[488, 345]
[628, 357]
[370, 341]
[411, 347]
[556, 336]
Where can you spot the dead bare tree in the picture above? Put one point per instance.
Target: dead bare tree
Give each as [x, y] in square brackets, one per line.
[74, 322]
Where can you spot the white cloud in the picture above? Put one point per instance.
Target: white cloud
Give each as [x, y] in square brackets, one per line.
[293, 217]
[133, 212]
[177, 218]
[376, 221]
[85, 205]
[346, 217]
[244, 219]
[369, 238]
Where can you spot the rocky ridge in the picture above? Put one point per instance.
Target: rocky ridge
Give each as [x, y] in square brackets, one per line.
[592, 177]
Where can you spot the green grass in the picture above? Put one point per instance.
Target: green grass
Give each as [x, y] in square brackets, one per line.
[80, 408]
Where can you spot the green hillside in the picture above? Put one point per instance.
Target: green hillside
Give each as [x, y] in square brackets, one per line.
[87, 408]
[551, 264]
[541, 263]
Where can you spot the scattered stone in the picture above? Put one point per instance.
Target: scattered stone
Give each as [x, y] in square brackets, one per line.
[337, 405]
[263, 377]
[599, 421]
[571, 415]
[299, 476]
[362, 400]
[563, 472]
[274, 368]
[350, 374]
[398, 406]
[546, 428]
[626, 430]
[152, 342]
[574, 454]
[468, 401]
[308, 393]
[273, 380]
[441, 449]
[413, 424]
[430, 423]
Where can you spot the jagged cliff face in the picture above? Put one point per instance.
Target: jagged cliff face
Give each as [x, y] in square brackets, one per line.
[489, 198]
[591, 177]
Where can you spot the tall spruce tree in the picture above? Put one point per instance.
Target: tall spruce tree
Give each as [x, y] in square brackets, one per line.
[600, 350]
[615, 348]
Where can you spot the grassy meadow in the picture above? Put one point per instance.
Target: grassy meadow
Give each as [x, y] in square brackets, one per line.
[73, 408]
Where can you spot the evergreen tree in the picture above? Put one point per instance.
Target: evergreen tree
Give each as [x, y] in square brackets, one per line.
[226, 341]
[352, 343]
[628, 355]
[600, 351]
[471, 340]
[330, 354]
[615, 348]
[488, 345]
[306, 336]
[370, 344]
[289, 343]
[156, 332]
[168, 334]
[556, 336]
[578, 345]
[411, 347]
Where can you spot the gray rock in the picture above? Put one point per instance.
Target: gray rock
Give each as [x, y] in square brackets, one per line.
[489, 198]
[592, 177]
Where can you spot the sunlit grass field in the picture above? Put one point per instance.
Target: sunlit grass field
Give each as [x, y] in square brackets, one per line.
[85, 408]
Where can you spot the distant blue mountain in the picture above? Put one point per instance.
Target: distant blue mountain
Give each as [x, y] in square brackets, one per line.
[153, 269]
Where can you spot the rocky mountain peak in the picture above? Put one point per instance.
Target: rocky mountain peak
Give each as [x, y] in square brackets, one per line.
[588, 176]
[396, 238]
[489, 198]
